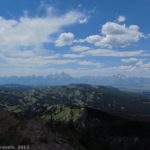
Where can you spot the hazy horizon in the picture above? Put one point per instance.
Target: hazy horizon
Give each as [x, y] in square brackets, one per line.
[77, 76]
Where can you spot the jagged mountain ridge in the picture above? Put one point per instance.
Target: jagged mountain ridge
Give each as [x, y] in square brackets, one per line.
[119, 80]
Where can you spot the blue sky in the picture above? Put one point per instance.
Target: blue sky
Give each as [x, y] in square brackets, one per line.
[78, 37]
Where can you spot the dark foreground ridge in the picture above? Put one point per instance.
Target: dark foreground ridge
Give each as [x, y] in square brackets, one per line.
[73, 128]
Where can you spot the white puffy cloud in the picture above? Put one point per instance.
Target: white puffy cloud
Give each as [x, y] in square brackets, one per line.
[121, 19]
[83, 21]
[79, 48]
[22, 40]
[22, 45]
[115, 35]
[94, 39]
[34, 31]
[129, 60]
[65, 39]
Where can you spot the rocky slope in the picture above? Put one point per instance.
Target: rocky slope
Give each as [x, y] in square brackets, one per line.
[82, 128]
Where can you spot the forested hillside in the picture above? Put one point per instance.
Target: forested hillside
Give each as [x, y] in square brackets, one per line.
[26, 99]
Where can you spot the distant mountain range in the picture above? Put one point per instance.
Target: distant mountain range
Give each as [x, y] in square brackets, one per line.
[119, 81]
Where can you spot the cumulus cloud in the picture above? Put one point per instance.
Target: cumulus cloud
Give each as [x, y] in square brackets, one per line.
[83, 21]
[65, 39]
[129, 60]
[73, 55]
[22, 40]
[93, 39]
[79, 48]
[34, 31]
[121, 19]
[115, 35]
